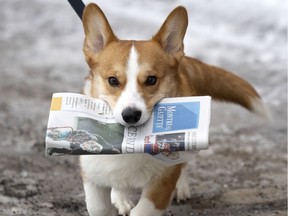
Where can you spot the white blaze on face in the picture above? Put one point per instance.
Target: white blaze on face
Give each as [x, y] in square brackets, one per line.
[130, 96]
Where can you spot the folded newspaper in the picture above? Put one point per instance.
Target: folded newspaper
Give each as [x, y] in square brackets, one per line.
[82, 125]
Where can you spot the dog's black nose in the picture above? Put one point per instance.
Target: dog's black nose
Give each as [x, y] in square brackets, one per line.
[131, 115]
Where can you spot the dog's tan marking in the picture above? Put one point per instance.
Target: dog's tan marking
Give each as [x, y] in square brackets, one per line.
[160, 190]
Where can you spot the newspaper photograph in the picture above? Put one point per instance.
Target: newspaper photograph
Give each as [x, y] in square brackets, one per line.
[80, 125]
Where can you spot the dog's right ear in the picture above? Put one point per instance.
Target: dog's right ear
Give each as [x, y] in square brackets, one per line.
[98, 32]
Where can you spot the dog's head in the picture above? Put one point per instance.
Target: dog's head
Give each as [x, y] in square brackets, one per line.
[132, 76]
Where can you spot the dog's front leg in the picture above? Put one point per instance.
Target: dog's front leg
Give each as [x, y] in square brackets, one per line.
[121, 201]
[98, 200]
[156, 196]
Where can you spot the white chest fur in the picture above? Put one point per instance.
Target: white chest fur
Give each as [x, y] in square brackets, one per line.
[120, 171]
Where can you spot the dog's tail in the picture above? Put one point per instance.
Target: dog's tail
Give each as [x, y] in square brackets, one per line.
[222, 85]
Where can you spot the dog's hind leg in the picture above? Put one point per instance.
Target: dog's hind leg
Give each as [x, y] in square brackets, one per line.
[156, 196]
[98, 200]
[121, 201]
[182, 191]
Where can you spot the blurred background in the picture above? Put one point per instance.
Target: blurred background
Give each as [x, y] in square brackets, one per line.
[244, 172]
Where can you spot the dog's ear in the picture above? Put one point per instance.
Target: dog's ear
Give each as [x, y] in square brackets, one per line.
[98, 32]
[172, 32]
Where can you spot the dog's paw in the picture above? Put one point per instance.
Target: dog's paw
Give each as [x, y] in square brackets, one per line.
[182, 192]
[124, 207]
[121, 201]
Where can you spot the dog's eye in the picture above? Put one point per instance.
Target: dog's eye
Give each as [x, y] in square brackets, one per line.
[151, 80]
[113, 81]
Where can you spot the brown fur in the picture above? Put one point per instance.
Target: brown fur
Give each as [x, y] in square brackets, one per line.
[160, 190]
[163, 57]
[217, 82]
[184, 75]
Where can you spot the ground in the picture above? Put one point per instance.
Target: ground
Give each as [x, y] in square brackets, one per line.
[244, 172]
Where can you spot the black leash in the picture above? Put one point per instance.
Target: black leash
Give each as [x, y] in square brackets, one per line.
[78, 7]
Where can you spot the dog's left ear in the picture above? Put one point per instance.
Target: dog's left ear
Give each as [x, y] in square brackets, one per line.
[172, 32]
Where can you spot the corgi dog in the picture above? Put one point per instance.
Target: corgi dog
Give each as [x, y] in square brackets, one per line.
[132, 76]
